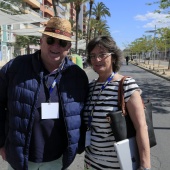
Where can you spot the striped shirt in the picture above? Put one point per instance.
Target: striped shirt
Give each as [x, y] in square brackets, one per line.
[101, 155]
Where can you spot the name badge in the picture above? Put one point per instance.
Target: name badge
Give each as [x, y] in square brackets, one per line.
[88, 138]
[49, 110]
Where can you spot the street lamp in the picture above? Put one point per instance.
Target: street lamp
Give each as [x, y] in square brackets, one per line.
[153, 31]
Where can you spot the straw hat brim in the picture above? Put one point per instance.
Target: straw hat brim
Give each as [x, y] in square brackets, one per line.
[55, 35]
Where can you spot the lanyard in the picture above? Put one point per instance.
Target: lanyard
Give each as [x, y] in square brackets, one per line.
[56, 80]
[90, 117]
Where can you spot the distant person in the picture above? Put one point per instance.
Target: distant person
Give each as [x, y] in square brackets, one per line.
[105, 58]
[127, 60]
[84, 58]
[41, 100]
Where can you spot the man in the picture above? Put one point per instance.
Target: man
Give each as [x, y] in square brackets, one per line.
[127, 60]
[41, 101]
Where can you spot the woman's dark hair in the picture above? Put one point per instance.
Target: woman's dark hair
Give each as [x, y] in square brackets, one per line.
[108, 43]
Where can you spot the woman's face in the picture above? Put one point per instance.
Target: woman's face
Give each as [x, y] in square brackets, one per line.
[101, 60]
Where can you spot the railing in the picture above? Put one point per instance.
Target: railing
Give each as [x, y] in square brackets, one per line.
[47, 7]
[31, 10]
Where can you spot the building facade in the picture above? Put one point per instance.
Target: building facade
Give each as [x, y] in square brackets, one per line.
[43, 9]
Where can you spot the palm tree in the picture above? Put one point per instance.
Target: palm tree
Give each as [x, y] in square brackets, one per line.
[77, 4]
[92, 27]
[99, 11]
[102, 28]
[88, 25]
[55, 3]
[90, 11]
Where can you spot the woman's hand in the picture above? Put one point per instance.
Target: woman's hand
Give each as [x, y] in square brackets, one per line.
[2, 153]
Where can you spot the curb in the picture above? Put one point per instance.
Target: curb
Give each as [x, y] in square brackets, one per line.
[159, 75]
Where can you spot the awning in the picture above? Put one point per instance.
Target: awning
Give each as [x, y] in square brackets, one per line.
[7, 19]
[28, 31]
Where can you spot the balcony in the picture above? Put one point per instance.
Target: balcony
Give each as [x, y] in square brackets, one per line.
[29, 10]
[48, 10]
[50, 1]
[62, 7]
[33, 3]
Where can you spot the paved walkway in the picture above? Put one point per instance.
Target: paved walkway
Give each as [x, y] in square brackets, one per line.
[159, 69]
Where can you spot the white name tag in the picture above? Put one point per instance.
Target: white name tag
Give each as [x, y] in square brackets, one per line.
[88, 138]
[49, 110]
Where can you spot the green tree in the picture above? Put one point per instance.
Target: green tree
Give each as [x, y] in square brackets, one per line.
[26, 41]
[99, 11]
[77, 4]
[164, 40]
[93, 24]
[11, 7]
[102, 28]
[91, 2]
[163, 6]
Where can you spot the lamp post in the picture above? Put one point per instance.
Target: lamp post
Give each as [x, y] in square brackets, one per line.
[153, 31]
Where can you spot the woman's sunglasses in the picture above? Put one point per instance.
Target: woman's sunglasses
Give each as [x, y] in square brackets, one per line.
[51, 41]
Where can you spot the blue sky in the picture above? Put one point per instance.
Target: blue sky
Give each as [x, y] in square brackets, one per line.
[131, 18]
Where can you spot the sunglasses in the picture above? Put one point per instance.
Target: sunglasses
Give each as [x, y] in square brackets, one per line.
[51, 41]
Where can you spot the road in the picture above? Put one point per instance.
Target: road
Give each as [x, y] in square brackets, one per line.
[158, 90]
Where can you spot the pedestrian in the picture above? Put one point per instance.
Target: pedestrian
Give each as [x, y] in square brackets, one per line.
[127, 60]
[41, 102]
[105, 58]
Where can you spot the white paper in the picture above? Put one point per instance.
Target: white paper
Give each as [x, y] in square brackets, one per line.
[49, 110]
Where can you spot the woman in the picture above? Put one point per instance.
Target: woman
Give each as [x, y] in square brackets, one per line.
[105, 58]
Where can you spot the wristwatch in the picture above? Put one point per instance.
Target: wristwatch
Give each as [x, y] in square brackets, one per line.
[142, 168]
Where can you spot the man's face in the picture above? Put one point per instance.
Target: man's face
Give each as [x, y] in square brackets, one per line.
[53, 50]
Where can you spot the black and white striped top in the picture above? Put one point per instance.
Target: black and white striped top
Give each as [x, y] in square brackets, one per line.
[100, 155]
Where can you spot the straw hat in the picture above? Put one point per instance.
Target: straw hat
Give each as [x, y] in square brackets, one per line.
[58, 28]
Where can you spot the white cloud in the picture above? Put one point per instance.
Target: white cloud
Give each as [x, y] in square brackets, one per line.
[115, 31]
[152, 19]
[140, 18]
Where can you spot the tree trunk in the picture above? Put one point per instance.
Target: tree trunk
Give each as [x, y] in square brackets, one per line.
[55, 3]
[28, 49]
[88, 27]
[77, 19]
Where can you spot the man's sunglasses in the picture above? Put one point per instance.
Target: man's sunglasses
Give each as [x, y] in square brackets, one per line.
[51, 41]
